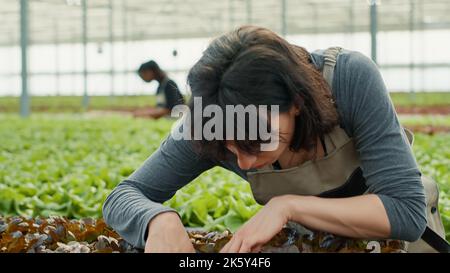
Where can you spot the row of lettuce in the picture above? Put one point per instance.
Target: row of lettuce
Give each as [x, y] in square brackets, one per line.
[67, 165]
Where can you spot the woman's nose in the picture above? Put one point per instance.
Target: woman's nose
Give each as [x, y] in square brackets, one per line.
[246, 161]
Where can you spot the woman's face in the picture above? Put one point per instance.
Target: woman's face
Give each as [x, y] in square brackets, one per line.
[285, 133]
[147, 75]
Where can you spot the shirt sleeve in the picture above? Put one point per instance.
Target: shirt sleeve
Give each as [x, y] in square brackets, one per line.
[387, 160]
[173, 95]
[136, 200]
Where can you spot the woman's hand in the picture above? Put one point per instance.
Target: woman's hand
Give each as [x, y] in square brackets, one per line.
[260, 228]
[166, 233]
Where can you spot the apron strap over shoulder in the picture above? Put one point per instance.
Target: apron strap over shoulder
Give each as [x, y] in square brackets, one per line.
[330, 57]
[336, 138]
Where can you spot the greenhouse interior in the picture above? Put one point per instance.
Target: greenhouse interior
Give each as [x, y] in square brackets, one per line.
[88, 92]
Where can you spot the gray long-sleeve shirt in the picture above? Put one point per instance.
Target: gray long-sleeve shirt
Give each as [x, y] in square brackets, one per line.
[367, 115]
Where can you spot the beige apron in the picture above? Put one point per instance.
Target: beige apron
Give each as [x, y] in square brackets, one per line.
[338, 174]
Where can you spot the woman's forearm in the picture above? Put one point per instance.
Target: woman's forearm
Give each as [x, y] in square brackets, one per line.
[357, 217]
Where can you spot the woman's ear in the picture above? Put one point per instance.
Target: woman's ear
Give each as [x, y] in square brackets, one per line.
[297, 102]
[295, 110]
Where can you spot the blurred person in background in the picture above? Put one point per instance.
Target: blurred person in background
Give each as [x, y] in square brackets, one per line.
[167, 95]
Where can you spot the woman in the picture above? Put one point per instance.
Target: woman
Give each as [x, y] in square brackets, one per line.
[167, 94]
[326, 134]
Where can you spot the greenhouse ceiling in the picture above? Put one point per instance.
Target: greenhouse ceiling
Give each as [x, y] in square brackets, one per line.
[60, 21]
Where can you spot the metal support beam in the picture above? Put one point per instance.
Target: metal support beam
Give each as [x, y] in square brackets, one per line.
[24, 32]
[56, 41]
[125, 44]
[73, 60]
[351, 15]
[351, 25]
[111, 44]
[421, 25]
[85, 59]
[411, 48]
[315, 18]
[249, 11]
[373, 29]
[283, 18]
[231, 19]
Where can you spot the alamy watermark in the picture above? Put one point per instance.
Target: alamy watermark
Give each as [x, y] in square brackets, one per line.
[255, 118]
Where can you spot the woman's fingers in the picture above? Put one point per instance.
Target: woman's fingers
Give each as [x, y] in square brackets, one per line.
[256, 249]
[250, 246]
[256, 232]
[242, 245]
[225, 247]
[234, 248]
[245, 247]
